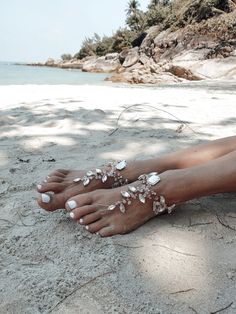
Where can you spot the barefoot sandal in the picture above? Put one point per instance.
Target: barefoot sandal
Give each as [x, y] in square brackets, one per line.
[143, 193]
[103, 175]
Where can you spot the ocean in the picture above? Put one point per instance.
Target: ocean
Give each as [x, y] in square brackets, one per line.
[12, 74]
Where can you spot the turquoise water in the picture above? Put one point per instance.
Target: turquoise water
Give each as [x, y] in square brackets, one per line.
[11, 74]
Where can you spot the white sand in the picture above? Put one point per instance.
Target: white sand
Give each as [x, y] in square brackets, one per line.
[184, 263]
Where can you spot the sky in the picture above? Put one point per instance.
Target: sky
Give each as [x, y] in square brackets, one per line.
[34, 30]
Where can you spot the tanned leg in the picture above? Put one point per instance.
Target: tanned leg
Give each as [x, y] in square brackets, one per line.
[177, 186]
[60, 182]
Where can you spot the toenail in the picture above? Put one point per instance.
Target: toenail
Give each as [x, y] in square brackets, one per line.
[45, 198]
[81, 220]
[97, 233]
[39, 186]
[47, 177]
[87, 227]
[72, 215]
[72, 204]
[45, 181]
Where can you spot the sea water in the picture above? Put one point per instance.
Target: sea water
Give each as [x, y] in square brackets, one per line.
[20, 74]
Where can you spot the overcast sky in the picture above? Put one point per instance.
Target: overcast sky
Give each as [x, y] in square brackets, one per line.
[33, 30]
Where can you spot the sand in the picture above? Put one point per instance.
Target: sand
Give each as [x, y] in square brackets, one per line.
[183, 263]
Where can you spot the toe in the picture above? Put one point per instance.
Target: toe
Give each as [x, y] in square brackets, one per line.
[81, 212]
[51, 202]
[108, 231]
[50, 187]
[90, 218]
[59, 172]
[96, 226]
[53, 179]
[79, 201]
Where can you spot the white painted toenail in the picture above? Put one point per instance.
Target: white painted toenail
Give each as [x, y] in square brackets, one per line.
[72, 215]
[39, 186]
[81, 220]
[45, 181]
[48, 177]
[97, 233]
[45, 198]
[87, 227]
[72, 204]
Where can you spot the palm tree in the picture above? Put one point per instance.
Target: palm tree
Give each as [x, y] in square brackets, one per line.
[133, 6]
[154, 3]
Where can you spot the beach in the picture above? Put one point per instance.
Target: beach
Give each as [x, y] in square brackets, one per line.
[179, 263]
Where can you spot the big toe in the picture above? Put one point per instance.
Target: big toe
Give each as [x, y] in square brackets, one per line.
[51, 202]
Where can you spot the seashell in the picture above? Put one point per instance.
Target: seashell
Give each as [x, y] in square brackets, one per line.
[153, 179]
[104, 178]
[77, 180]
[121, 165]
[162, 200]
[170, 208]
[111, 207]
[86, 181]
[141, 177]
[132, 189]
[122, 208]
[152, 174]
[90, 173]
[125, 194]
[98, 171]
[142, 198]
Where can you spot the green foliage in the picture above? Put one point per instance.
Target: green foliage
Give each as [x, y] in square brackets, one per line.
[172, 14]
[66, 57]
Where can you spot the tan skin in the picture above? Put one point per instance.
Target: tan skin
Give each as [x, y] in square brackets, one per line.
[198, 171]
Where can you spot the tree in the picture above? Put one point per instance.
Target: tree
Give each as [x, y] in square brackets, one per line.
[133, 6]
[66, 57]
[135, 17]
[153, 4]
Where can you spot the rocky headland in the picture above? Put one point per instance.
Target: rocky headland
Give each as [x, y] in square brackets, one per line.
[198, 51]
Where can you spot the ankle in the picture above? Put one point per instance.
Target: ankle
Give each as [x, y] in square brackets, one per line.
[137, 167]
[175, 186]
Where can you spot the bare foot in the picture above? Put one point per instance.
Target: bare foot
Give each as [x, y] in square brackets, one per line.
[59, 186]
[91, 209]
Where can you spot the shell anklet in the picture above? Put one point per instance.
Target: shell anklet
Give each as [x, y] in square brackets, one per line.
[143, 193]
[112, 171]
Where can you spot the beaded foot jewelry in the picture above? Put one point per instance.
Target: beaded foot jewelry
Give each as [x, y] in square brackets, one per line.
[113, 171]
[143, 193]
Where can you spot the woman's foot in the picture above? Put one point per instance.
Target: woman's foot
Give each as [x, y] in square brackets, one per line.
[91, 209]
[63, 184]
[59, 186]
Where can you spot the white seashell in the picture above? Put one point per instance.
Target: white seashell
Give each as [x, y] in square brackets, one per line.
[122, 208]
[170, 208]
[121, 165]
[86, 181]
[162, 200]
[141, 177]
[132, 189]
[77, 180]
[152, 174]
[153, 179]
[111, 207]
[125, 194]
[90, 173]
[142, 198]
[104, 178]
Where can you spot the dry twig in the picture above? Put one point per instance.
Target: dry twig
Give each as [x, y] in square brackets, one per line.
[152, 107]
[173, 250]
[222, 309]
